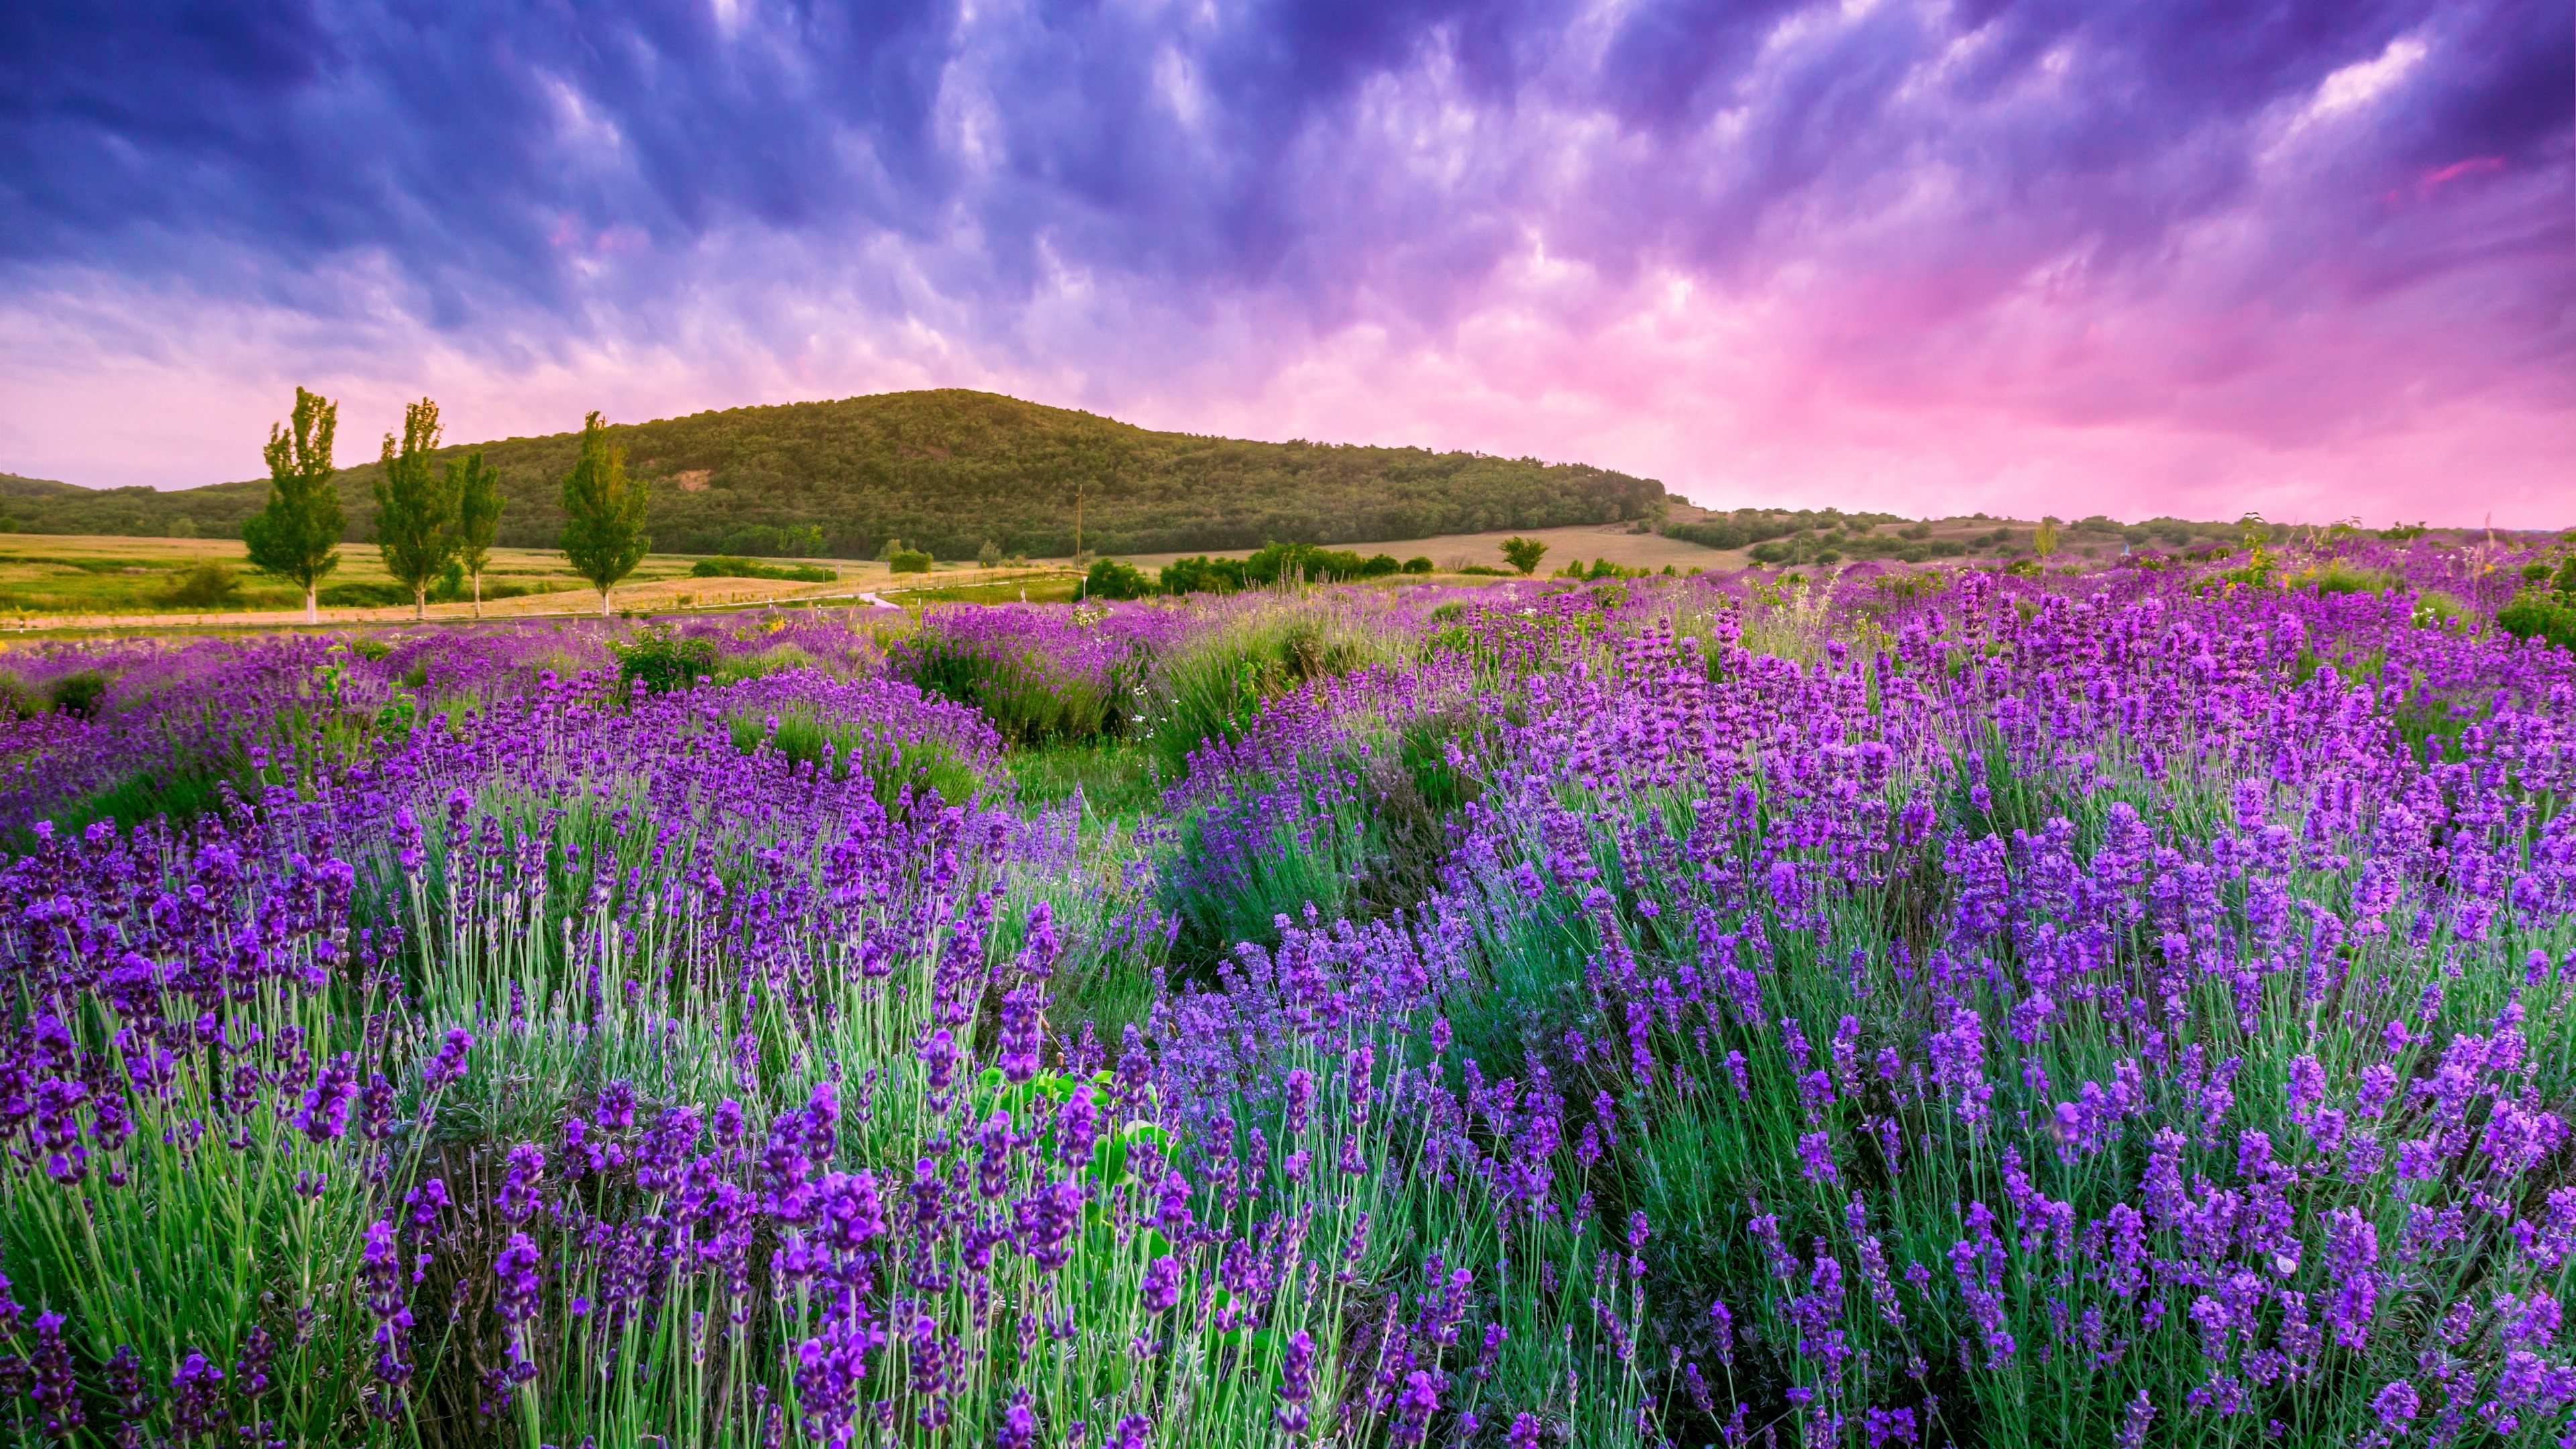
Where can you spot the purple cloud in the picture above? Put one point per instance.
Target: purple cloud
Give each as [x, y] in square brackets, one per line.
[1895, 253]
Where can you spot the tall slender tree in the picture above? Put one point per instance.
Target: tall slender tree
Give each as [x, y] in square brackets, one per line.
[417, 529]
[478, 517]
[297, 536]
[603, 513]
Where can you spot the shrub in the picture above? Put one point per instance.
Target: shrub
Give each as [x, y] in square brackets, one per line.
[1306, 562]
[1203, 575]
[908, 561]
[2535, 614]
[1110, 579]
[18, 698]
[364, 596]
[79, 695]
[1378, 566]
[1523, 553]
[662, 662]
[1418, 564]
[728, 566]
[209, 585]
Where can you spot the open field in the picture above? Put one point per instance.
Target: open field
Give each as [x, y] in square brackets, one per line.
[1905, 1006]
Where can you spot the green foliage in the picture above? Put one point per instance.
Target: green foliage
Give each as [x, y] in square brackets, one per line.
[2339, 577]
[296, 536]
[723, 567]
[604, 511]
[18, 698]
[989, 555]
[1114, 780]
[2539, 614]
[1305, 563]
[1111, 579]
[418, 529]
[1418, 564]
[364, 596]
[793, 540]
[908, 561]
[921, 773]
[79, 695]
[1523, 553]
[660, 662]
[1204, 575]
[1028, 701]
[1213, 686]
[208, 585]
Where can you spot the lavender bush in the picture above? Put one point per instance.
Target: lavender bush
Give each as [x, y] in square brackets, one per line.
[2119, 1005]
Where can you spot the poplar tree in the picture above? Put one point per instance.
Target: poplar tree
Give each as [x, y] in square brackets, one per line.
[416, 512]
[603, 513]
[297, 536]
[478, 517]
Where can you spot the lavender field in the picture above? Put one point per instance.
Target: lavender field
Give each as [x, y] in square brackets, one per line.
[2117, 1005]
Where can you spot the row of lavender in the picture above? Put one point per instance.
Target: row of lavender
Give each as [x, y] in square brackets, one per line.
[2091, 1006]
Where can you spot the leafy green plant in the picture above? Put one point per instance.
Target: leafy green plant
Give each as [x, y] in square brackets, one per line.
[208, 585]
[1111, 579]
[660, 662]
[80, 694]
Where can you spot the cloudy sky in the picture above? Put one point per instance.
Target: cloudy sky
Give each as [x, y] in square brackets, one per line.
[2316, 257]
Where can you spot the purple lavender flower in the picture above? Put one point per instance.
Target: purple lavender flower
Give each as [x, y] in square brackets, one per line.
[2397, 1404]
[518, 1196]
[1162, 1289]
[54, 1389]
[1296, 1383]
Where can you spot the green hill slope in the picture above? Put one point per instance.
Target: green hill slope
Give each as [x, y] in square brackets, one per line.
[946, 470]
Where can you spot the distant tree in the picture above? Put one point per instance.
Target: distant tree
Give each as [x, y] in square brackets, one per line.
[478, 517]
[1523, 553]
[989, 556]
[603, 513]
[417, 527]
[2044, 540]
[209, 585]
[297, 536]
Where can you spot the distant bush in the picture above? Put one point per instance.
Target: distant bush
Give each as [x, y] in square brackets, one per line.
[1486, 571]
[209, 585]
[661, 662]
[908, 561]
[365, 596]
[1418, 564]
[2536, 613]
[1110, 579]
[794, 540]
[1378, 566]
[724, 566]
[79, 695]
[1523, 553]
[1308, 562]
[18, 698]
[1203, 575]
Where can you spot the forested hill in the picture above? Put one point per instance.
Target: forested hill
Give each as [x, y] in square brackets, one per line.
[945, 470]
